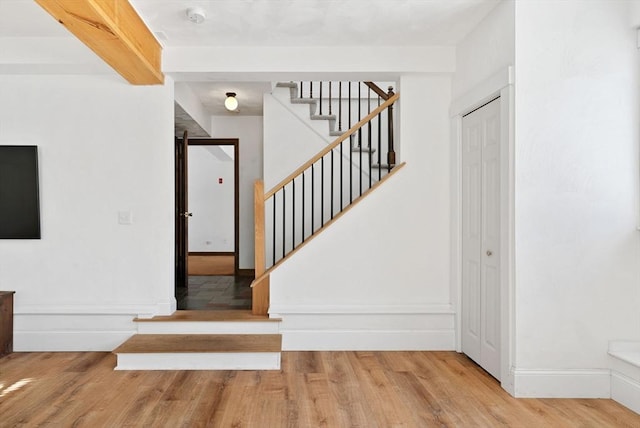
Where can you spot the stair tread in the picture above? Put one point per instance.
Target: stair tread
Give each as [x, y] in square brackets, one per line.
[200, 343]
[287, 85]
[303, 101]
[227, 316]
[323, 117]
[385, 166]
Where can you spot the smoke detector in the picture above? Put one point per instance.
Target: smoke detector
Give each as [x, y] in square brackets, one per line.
[197, 15]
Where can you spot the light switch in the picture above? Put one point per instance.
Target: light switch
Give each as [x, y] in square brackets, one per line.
[125, 217]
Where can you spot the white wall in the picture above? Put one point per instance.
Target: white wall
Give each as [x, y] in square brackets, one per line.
[577, 246]
[104, 146]
[289, 142]
[379, 277]
[191, 104]
[211, 228]
[485, 51]
[248, 129]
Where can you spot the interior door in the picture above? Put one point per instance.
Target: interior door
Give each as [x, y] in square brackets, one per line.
[181, 212]
[481, 236]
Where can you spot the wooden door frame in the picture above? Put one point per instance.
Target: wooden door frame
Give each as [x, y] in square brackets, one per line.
[235, 142]
[498, 85]
[180, 207]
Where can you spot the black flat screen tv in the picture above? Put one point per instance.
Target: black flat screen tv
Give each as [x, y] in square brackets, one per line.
[19, 197]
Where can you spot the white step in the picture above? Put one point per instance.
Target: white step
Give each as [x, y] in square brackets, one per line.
[625, 373]
[200, 361]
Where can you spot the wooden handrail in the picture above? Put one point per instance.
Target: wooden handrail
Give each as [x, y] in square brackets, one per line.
[392, 99]
[378, 90]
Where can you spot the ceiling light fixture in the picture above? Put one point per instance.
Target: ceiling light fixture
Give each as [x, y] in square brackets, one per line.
[197, 15]
[231, 103]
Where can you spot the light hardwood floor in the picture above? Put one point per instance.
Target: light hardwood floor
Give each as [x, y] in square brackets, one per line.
[313, 389]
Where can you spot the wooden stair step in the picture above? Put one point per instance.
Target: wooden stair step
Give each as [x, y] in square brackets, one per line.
[200, 343]
[211, 316]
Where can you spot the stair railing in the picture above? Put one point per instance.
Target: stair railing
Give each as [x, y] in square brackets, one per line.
[323, 188]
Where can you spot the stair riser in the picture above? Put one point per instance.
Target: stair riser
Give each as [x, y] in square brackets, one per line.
[218, 327]
[199, 361]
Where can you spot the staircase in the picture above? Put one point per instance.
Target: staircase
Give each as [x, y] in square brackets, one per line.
[317, 193]
[359, 156]
[203, 340]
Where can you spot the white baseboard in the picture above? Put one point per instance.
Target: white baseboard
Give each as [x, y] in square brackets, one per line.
[625, 391]
[359, 340]
[388, 328]
[594, 383]
[71, 332]
[68, 341]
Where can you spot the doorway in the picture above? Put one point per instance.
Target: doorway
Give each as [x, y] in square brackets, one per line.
[207, 226]
[481, 237]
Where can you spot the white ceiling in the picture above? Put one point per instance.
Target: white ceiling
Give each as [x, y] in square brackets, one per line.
[314, 22]
[274, 23]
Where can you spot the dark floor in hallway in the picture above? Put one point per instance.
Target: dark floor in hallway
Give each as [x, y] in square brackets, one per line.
[217, 292]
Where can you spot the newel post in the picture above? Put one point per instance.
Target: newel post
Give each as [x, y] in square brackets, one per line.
[260, 288]
[391, 154]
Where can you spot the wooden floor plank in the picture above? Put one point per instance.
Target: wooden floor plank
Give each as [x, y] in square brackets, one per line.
[335, 389]
[181, 343]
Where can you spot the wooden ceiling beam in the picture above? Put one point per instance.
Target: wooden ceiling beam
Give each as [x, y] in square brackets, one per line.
[114, 31]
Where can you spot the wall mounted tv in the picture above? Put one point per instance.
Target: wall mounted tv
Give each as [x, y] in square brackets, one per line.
[19, 201]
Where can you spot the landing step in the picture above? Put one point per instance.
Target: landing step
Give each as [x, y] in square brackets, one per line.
[209, 322]
[229, 316]
[200, 352]
[181, 343]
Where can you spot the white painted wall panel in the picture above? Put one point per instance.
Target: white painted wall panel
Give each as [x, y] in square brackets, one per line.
[577, 190]
[104, 146]
[486, 50]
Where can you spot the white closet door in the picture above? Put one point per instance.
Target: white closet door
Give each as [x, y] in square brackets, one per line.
[481, 236]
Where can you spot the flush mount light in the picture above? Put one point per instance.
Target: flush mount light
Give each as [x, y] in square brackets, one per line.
[196, 15]
[231, 103]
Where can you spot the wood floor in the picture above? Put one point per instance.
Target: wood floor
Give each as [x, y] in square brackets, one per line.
[200, 264]
[313, 389]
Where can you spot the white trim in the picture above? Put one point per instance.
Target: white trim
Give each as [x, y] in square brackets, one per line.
[371, 340]
[498, 85]
[483, 92]
[275, 311]
[625, 391]
[595, 383]
[383, 328]
[141, 310]
[69, 341]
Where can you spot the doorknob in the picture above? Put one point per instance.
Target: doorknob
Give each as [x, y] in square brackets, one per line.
[187, 214]
[489, 253]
